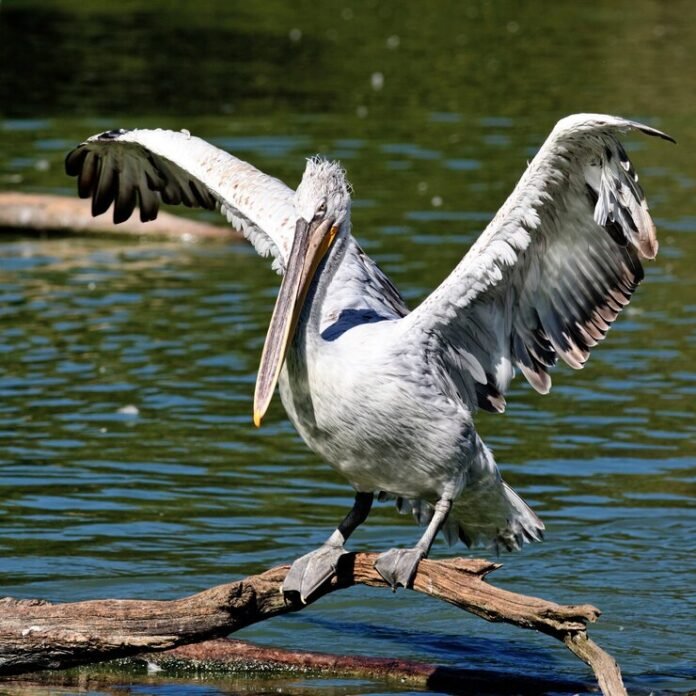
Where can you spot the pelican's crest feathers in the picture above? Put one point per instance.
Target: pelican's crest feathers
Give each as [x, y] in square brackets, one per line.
[323, 183]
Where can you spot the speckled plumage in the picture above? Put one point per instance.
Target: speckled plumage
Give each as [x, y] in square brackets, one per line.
[388, 396]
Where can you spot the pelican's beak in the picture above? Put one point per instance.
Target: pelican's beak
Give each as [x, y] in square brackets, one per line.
[312, 241]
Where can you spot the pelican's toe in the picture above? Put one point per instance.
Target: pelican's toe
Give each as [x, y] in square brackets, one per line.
[399, 566]
[309, 572]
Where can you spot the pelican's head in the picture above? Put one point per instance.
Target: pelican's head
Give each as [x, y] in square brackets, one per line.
[324, 191]
[322, 203]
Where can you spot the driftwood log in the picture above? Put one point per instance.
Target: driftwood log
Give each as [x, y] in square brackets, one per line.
[43, 214]
[35, 634]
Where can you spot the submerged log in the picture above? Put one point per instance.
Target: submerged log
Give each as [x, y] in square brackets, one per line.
[42, 214]
[35, 634]
[240, 657]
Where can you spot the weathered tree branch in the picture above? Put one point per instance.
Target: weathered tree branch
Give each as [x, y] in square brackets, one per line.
[47, 214]
[35, 634]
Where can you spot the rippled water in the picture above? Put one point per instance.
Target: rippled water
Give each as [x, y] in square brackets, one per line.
[129, 466]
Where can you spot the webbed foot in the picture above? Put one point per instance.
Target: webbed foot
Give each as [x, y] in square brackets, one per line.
[399, 566]
[309, 572]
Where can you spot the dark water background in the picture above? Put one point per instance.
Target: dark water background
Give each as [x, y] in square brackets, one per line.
[128, 463]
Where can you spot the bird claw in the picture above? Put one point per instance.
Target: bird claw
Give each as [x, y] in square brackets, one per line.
[309, 572]
[399, 566]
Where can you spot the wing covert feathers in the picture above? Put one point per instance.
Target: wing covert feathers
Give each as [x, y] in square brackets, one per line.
[552, 270]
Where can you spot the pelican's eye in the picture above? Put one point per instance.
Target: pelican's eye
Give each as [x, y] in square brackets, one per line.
[320, 212]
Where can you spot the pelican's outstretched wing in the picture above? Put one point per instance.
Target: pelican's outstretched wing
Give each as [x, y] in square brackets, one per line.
[132, 168]
[551, 271]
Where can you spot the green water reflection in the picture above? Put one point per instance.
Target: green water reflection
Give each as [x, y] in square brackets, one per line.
[129, 466]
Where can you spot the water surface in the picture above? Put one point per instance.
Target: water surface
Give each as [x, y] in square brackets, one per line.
[128, 463]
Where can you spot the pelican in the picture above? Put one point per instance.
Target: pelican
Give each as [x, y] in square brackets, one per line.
[385, 395]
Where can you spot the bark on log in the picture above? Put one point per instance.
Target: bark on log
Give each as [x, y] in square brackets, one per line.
[47, 214]
[35, 634]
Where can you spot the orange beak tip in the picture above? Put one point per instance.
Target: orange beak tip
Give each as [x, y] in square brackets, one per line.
[258, 419]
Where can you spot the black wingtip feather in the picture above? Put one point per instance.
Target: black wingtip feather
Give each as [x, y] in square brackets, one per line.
[106, 190]
[148, 203]
[74, 160]
[124, 204]
[89, 175]
[202, 196]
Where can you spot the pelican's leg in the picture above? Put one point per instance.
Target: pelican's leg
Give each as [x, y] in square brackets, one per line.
[398, 566]
[310, 571]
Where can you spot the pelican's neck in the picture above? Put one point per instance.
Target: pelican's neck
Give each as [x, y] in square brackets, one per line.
[349, 289]
[330, 275]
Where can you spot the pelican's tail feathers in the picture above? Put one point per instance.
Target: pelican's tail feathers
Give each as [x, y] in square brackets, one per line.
[524, 525]
[491, 514]
[487, 512]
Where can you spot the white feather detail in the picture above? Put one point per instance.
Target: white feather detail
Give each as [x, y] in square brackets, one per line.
[551, 271]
